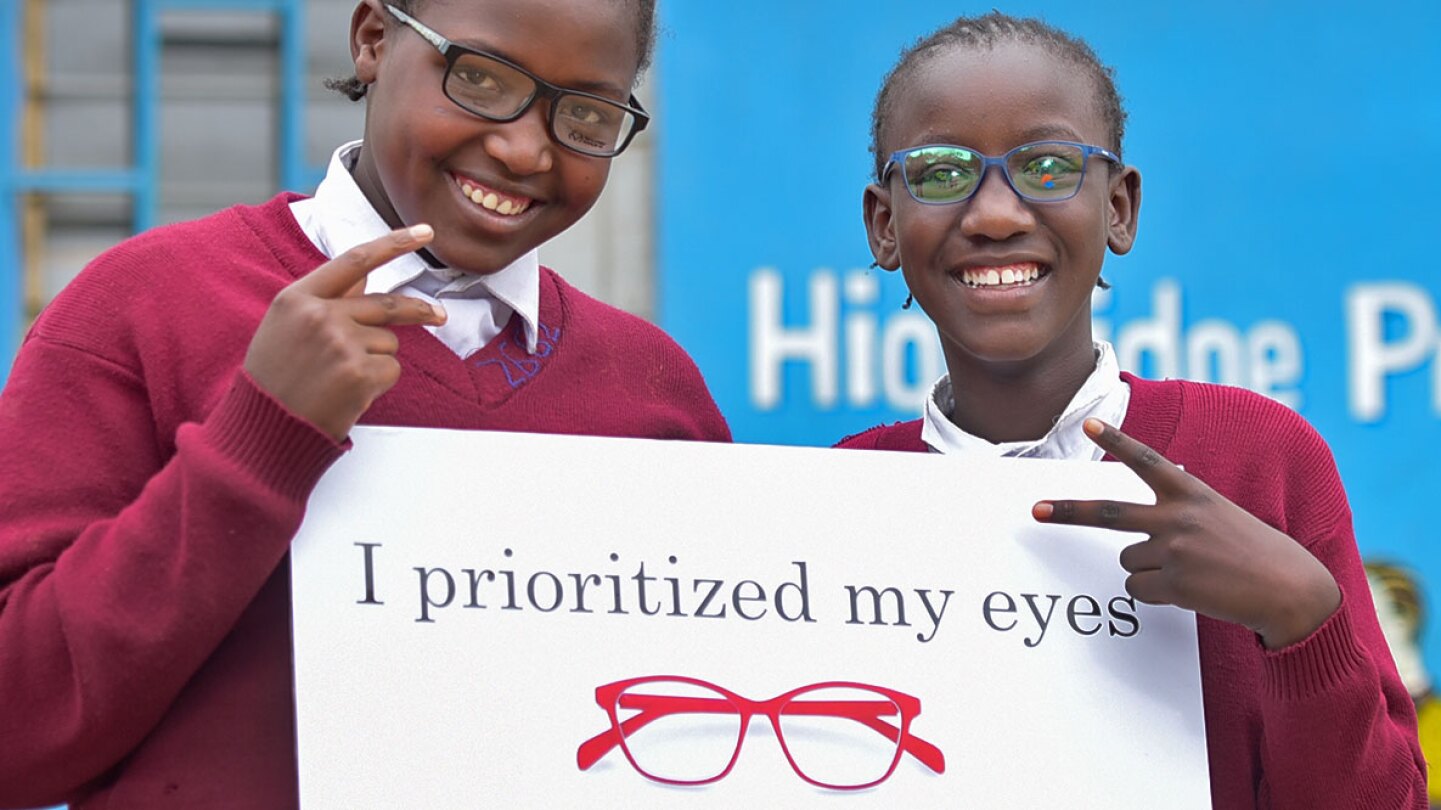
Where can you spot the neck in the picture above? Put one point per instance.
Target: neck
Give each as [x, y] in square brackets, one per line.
[368, 179]
[1014, 402]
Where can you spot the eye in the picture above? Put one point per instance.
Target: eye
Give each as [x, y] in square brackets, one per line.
[1050, 170]
[939, 181]
[585, 112]
[476, 79]
[945, 175]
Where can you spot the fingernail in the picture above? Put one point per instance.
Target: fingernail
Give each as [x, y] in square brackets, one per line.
[439, 312]
[1093, 426]
[421, 231]
[1042, 510]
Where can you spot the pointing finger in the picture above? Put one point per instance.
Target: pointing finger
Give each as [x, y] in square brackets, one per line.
[391, 309]
[1153, 468]
[1118, 515]
[338, 276]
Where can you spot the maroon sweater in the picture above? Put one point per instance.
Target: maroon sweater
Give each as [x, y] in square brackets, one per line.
[149, 492]
[1326, 722]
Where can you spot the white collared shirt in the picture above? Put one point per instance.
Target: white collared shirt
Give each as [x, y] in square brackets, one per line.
[478, 307]
[1104, 395]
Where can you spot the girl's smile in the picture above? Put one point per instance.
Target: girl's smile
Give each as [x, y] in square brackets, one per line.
[491, 199]
[1002, 276]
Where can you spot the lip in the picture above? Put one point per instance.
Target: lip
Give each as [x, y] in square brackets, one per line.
[505, 196]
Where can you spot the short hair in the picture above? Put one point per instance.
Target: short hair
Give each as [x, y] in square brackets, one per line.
[986, 32]
[354, 89]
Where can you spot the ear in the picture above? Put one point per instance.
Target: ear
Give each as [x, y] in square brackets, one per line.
[1125, 209]
[367, 36]
[880, 226]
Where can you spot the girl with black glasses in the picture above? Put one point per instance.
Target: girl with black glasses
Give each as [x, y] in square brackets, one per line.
[171, 411]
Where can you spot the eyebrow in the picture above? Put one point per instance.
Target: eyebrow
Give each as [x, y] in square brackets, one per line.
[598, 87]
[1050, 132]
[1045, 132]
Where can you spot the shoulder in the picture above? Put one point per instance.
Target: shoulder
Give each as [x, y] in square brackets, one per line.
[166, 254]
[1241, 418]
[1225, 416]
[905, 436]
[170, 273]
[1254, 450]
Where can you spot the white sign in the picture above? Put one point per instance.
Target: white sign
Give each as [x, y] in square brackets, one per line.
[505, 620]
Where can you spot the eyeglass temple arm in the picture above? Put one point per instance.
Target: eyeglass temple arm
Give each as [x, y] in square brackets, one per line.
[653, 707]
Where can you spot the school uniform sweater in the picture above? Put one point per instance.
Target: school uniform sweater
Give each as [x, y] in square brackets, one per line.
[149, 491]
[1326, 722]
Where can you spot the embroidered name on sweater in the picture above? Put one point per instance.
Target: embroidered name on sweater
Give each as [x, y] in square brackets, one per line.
[520, 367]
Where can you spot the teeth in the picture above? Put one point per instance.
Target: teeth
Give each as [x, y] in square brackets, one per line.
[1022, 274]
[492, 201]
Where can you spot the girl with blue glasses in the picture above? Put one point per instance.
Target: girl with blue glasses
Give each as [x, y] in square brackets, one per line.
[999, 189]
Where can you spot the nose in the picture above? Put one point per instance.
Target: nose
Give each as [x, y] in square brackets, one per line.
[523, 145]
[996, 211]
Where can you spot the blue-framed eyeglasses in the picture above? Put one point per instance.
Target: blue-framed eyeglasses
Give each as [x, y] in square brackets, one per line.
[1044, 171]
[499, 90]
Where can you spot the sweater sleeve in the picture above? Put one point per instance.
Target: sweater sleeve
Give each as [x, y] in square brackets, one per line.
[122, 564]
[1339, 728]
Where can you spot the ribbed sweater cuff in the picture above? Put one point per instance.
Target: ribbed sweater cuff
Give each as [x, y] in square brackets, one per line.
[256, 432]
[1321, 661]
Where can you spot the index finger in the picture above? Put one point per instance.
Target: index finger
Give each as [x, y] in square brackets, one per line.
[1152, 467]
[338, 276]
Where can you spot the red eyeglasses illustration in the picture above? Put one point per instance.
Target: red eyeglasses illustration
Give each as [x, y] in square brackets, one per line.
[684, 731]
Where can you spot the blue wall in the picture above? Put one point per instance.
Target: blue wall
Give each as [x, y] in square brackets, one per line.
[1292, 161]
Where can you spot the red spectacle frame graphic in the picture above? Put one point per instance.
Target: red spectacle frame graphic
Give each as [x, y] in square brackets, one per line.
[870, 713]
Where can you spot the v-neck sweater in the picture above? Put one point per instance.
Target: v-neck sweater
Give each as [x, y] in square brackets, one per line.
[1326, 722]
[149, 491]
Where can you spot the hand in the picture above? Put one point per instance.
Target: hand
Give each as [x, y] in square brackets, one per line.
[323, 349]
[1204, 552]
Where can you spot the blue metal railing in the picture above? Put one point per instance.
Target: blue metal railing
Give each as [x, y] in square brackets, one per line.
[141, 181]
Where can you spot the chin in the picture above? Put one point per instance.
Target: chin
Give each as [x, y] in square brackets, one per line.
[479, 263]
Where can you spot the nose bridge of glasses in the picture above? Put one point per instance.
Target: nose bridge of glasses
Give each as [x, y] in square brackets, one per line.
[996, 203]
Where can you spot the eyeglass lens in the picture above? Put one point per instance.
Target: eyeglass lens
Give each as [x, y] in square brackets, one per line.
[1040, 171]
[495, 90]
[836, 736]
[693, 736]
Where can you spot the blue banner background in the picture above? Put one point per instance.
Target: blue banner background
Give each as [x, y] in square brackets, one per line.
[1287, 239]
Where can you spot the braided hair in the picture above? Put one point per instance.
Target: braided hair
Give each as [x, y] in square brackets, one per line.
[986, 32]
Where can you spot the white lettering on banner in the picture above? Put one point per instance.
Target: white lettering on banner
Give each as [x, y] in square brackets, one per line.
[772, 343]
[858, 355]
[1374, 357]
[902, 354]
[861, 291]
[1266, 359]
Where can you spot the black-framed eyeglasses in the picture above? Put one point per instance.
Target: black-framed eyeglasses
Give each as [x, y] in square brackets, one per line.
[499, 90]
[1044, 171]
